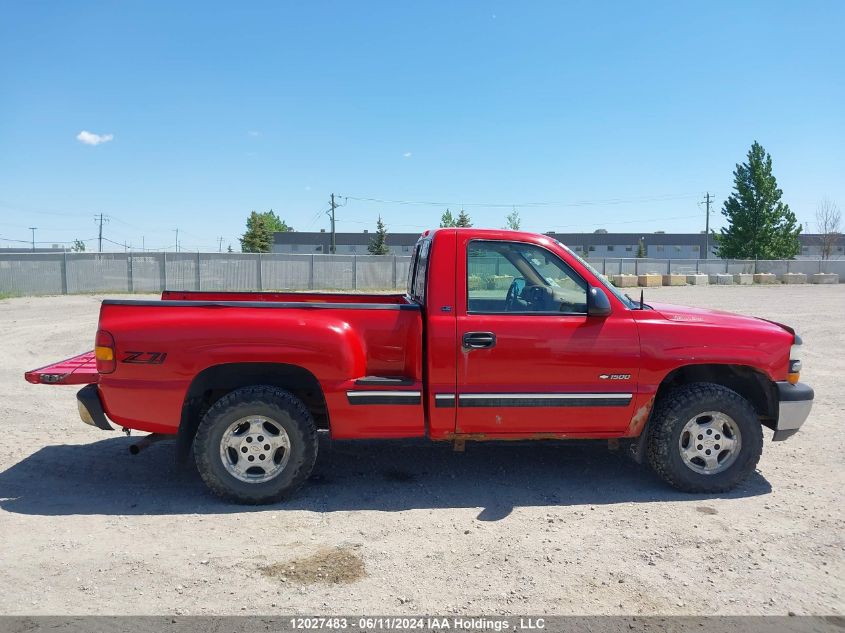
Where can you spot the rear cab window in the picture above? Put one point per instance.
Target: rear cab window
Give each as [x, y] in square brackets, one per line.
[418, 272]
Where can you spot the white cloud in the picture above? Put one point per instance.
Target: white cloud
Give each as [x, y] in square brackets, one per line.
[89, 138]
[406, 155]
[253, 133]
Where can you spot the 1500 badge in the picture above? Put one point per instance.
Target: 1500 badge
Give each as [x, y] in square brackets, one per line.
[615, 376]
[144, 358]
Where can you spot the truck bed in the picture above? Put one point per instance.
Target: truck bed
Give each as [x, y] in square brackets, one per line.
[364, 352]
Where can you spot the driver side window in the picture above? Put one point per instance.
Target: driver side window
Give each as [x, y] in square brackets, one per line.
[506, 277]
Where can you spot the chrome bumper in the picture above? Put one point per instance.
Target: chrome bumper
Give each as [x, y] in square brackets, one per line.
[795, 402]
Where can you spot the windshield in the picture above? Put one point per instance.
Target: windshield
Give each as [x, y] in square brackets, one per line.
[604, 281]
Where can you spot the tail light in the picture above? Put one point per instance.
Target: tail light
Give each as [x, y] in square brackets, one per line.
[104, 352]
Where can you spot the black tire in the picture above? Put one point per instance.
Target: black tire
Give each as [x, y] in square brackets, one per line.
[680, 406]
[284, 409]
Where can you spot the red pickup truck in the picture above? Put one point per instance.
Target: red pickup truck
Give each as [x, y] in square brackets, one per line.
[501, 335]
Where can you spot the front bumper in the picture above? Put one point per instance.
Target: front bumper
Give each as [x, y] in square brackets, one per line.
[91, 409]
[794, 404]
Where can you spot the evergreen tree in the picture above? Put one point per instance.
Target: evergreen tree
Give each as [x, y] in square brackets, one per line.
[641, 249]
[78, 246]
[760, 226]
[513, 220]
[463, 219]
[378, 245]
[446, 220]
[229, 249]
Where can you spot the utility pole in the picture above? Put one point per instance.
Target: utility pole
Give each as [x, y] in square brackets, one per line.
[177, 239]
[100, 218]
[333, 246]
[707, 200]
[32, 228]
[143, 244]
[219, 244]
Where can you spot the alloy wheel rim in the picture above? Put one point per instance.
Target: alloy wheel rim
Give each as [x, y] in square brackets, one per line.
[255, 449]
[710, 442]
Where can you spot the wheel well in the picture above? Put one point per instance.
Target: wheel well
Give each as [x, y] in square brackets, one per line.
[213, 383]
[746, 381]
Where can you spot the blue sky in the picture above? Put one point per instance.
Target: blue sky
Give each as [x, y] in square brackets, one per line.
[611, 115]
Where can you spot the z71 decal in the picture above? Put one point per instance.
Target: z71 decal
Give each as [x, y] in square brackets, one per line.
[144, 358]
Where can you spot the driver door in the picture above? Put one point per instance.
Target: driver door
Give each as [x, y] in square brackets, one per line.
[530, 358]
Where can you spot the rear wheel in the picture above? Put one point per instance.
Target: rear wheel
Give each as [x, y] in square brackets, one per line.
[256, 445]
[704, 438]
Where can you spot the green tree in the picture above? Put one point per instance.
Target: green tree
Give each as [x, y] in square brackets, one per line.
[641, 249]
[378, 245]
[513, 221]
[446, 220]
[229, 250]
[760, 226]
[463, 219]
[260, 227]
[78, 246]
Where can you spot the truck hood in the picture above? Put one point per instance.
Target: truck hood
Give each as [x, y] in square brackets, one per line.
[716, 317]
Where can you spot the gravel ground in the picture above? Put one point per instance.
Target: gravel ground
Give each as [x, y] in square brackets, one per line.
[411, 527]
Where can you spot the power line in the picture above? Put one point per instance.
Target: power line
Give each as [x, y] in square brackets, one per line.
[637, 221]
[559, 226]
[509, 205]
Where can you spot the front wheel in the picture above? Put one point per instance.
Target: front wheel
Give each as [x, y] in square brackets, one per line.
[256, 445]
[704, 438]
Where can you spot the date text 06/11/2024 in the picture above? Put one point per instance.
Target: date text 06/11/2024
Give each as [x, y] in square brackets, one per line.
[409, 623]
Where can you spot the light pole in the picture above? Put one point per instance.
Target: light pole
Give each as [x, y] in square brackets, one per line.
[32, 228]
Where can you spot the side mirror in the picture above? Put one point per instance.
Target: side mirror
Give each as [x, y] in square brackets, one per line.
[597, 302]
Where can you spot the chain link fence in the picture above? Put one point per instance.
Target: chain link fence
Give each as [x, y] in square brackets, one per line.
[638, 266]
[69, 273]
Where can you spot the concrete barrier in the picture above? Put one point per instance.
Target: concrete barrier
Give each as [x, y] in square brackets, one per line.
[794, 278]
[674, 279]
[649, 280]
[699, 279]
[765, 278]
[722, 279]
[824, 278]
[744, 279]
[624, 281]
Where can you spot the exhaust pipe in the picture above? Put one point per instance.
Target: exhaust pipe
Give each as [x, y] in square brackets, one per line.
[145, 441]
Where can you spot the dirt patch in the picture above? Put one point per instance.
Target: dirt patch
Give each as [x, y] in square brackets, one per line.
[335, 565]
[707, 510]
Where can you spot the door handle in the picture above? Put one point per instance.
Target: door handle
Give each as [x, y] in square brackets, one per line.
[478, 340]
